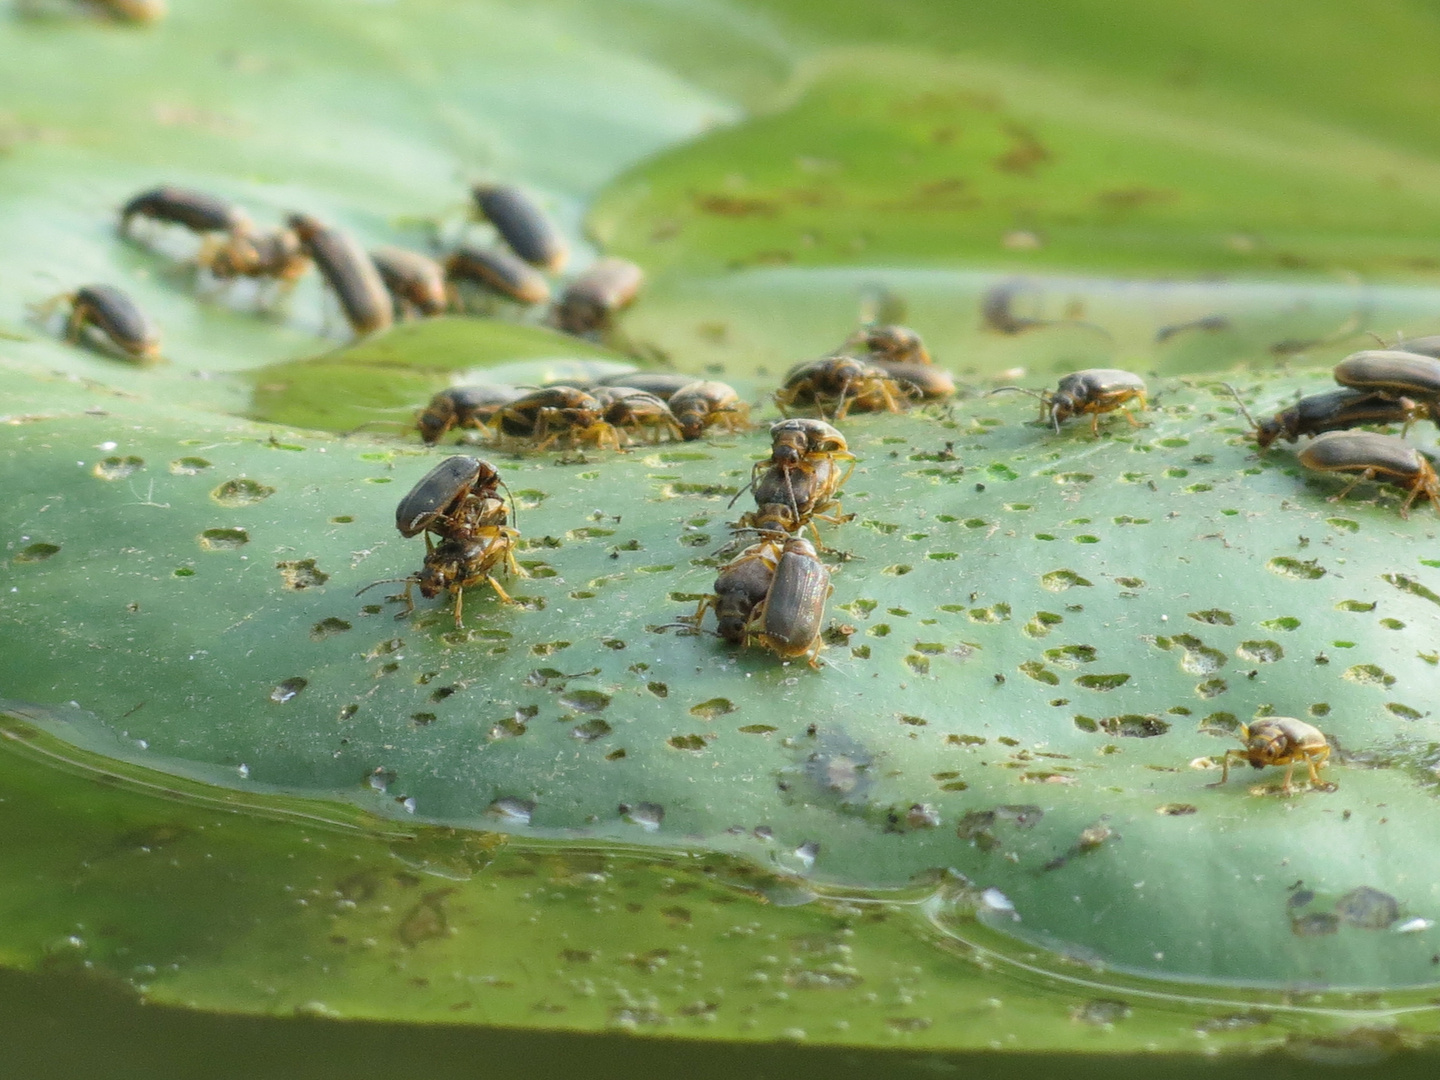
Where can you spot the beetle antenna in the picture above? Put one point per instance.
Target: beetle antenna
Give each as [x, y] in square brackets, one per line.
[412, 580]
[1243, 409]
[748, 487]
[1016, 389]
[514, 516]
[685, 626]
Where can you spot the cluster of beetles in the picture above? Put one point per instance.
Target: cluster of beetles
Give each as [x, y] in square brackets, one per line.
[374, 287]
[773, 591]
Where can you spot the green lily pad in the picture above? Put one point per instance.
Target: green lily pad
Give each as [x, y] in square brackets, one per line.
[1036, 656]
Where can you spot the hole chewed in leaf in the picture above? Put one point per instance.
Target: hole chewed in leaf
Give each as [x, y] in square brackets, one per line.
[300, 574]
[1060, 580]
[38, 552]
[1135, 726]
[241, 492]
[328, 627]
[118, 468]
[712, 709]
[223, 539]
[1296, 569]
[287, 689]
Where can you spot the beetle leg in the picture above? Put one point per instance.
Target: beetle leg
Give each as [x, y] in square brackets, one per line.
[1130, 415]
[1095, 422]
[1289, 769]
[459, 607]
[79, 315]
[498, 590]
[1368, 474]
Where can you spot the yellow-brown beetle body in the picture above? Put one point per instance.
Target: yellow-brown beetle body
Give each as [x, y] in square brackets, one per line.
[117, 318]
[698, 406]
[787, 499]
[1280, 740]
[454, 565]
[793, 612]
[546, 414]
[464, 407]
[1089, 392]
[523, 225]
[844, 382]
[500, 272]
[416, 282]
[890, 344]
[593, 299]
[629, 410]
[1374, 457]
[275, 253]
[348, 270]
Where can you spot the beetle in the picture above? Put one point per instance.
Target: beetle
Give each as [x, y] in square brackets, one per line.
[1335, 410]
[1424, 346]
[198, 211]
[464, 407]
[629, 410]
[663, 384]
[275, 253]
[1280, 740]
[700, 405]
[435, 503]
[117, 317]
[546, 414]
[349, 271]
[890, 343]
[588, 303]
[924, 382]
[740, 587]
[498, 271]
[791, 615]
[1374, 456]
[847, 382]
[416, 282]
[789, 498]
[794, 439]
[523, 225]
[1093, 391]
[465, 558]
[1393, 372]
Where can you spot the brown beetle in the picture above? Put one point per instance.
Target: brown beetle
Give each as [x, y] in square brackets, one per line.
[416, 282]
[546, 414]
[663, 384]
[889, 344]
[448, 500]
[1280, 740]
[116, 317]
[198, 211]
[466, 558]
[740, 587]
[842, 381]
[591, 301]
[788, 499]
[523, 225]
[629, 410]
[275, 253]
[1336, 410]
[1373, 457]
[349, 272]
[1392, 372]
[700, 405]
[792, 614]
[1089, 392]
[499, 272]
[464, 407]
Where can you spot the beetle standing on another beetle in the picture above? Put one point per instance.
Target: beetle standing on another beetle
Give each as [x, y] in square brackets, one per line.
[789, 619]
[1089, 392]
[457, 501]
[1280, 740]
